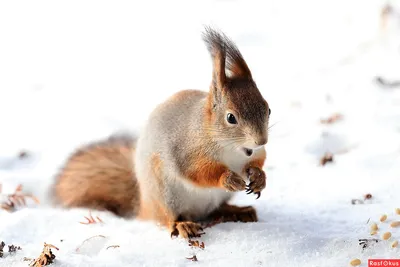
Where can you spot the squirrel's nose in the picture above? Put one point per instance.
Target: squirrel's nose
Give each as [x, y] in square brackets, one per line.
[261, 141]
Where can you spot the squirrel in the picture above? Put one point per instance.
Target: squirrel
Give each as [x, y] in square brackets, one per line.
[196, 150]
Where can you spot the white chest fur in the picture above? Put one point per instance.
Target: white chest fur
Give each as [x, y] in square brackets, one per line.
[197, 202]
[236, 159]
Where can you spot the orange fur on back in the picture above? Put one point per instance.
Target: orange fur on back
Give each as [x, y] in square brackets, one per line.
[100, 176]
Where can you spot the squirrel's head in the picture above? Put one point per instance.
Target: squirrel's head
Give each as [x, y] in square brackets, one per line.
[237, 113]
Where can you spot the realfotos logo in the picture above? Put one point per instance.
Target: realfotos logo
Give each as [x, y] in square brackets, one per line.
[383, 262]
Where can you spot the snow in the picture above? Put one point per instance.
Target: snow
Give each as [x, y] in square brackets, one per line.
[76, 71]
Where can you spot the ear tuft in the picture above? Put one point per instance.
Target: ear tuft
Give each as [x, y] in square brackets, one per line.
[218, 54]
[225, 54]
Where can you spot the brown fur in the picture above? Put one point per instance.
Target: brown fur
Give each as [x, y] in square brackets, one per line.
[231, 213]
[100, 176]
[235, 91]
[206, 172]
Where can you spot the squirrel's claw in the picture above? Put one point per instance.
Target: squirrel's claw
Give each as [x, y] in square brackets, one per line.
[174, 233]
[249, 191]
[257, 179]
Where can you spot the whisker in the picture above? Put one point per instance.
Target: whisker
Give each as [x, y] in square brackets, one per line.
[269, 127]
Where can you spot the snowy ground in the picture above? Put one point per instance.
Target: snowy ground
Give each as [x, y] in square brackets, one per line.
[76, 71]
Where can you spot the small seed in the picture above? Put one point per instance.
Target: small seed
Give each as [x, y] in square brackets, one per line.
[395, 244]
[386, 236]
[374, 232]
[383, 218]
[398, 211]
[395, 224]
[355, 262]
[374, 227]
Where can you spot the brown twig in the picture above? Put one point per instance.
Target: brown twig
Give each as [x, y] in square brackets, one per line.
[18, 198]
[194, 258]
[91, 220]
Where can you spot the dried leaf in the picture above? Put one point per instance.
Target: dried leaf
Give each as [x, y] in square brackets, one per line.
[46, 257]
[2, 245]
[12, 248]
[328, 157]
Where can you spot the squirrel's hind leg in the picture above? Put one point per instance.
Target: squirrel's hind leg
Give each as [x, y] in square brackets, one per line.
[186, 229]
[231, 213]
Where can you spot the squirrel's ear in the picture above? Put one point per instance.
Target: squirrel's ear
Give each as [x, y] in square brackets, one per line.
[216, 48]
[236, 64]
[219, 75]
[226, 56]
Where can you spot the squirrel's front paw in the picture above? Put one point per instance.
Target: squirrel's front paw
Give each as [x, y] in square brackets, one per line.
[187, 229]
[233, 182]
[257, 179]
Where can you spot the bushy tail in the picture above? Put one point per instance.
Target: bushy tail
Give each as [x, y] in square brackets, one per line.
[100, 176]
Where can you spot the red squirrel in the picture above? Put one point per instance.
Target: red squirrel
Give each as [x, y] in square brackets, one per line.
[196, 150]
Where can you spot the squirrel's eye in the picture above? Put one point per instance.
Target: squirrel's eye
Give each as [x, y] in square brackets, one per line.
[231, 119]
[269, 111]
